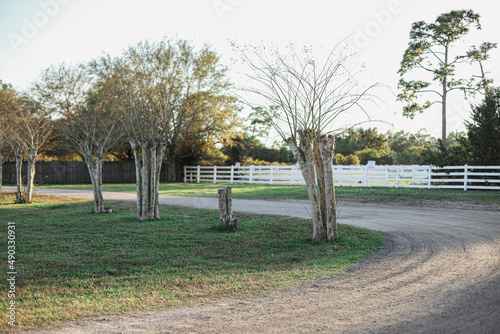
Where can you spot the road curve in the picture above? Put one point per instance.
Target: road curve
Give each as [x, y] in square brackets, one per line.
[439, 273]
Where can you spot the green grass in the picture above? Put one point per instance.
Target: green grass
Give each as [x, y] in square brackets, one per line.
[73, 264]
[275, 192]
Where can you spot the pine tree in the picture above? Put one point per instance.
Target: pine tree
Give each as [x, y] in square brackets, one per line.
[484, 130]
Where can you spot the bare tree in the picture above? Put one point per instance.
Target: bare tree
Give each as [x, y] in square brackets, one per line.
[93, 127]
[307, 95]
[7, 97]
[28, 129]
[94, 130]
[10, 106]
[159, 88]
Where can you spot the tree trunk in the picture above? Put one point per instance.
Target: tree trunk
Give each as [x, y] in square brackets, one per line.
[31, 156]
[443, 115]
[305, 158]
[19, 176]
[148, 160]
[95, 171]
[226, 218]
[171, 168]
[2, 161]
[145, 180]
[135, 145]
[1, 174]
[160, 152]
[443, 104]
[326, 144]
[320, 179]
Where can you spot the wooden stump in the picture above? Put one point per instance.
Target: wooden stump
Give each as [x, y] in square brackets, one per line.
[226, 209]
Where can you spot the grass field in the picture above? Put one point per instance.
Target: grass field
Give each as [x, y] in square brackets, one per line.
[73, 264]
[261, 191]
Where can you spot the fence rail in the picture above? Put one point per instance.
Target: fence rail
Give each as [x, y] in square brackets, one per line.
[452, 177]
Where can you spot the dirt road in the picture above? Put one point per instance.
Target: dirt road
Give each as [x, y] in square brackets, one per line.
[440, 273]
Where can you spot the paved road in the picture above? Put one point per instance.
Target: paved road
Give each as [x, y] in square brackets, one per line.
[440, 273]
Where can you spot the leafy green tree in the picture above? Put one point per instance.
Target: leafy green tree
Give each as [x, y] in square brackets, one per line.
[241, 146]
[360, 139]
[401, 140]
[235, 144]
[457, 153]
[164, 90]
[483, 130]
[429, 50]
[381, 157]
[412, 155]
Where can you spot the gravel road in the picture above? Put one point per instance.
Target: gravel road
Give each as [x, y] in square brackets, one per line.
[440, 273]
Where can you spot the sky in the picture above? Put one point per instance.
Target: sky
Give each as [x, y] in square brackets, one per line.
[37, 33]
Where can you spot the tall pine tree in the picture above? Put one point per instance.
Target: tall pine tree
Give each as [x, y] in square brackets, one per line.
[484, 130]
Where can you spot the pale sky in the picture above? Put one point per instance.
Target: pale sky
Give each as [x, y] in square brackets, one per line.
[37, 33]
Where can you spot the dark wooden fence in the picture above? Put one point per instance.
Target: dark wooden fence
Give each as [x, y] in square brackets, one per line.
[67, 172]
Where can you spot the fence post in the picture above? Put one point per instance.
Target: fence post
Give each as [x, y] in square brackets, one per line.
[215, 174]
[386, 175]
[397, 176]
[413, 175]
[198, 175]
[366, 176]
[292, 175]
[466, 170]
[429, 180]
[185, 173]
[232, 173]
[271, 174]
[250, 178]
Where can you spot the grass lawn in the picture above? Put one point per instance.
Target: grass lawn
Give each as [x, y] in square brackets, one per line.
[73, 264]
[262, 191]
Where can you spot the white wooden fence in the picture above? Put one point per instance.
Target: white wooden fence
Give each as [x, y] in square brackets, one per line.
[458, 177]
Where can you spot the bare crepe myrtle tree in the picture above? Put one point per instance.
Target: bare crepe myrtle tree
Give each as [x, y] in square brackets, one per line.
[92, 124]
[95, 129]
[7, 97]
[308, 95]
[160, 87]
[30, 127]
[8, 128]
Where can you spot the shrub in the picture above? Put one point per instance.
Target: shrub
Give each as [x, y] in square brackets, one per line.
[350, 160]
[381, 157]
[413, 155]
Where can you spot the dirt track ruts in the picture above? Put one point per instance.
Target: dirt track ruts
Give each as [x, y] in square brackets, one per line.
[439, 273]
